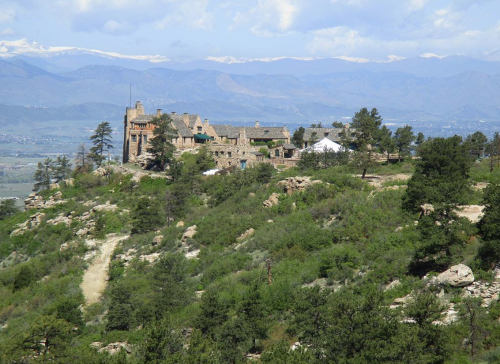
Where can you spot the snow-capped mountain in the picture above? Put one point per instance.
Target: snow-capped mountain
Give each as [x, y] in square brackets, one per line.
[23, 47]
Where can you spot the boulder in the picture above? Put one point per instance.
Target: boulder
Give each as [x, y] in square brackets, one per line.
[189, 234]
[157, 240]
[114, 348]
[297, 184]
[246, 234]
[180, 224]
[457, 276]
[274, 199]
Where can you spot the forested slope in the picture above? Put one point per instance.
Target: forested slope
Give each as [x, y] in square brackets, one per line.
[342, 270]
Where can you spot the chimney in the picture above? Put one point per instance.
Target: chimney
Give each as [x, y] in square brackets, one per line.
[206, 122]
[185, 118]
[158, 112]
[257, 124]
[174, 113]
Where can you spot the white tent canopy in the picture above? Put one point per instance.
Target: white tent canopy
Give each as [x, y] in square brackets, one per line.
[323, 145]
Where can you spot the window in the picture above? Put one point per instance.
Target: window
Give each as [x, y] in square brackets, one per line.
[266, 131]
[277, 153]
[221, 153]
[229, 154]
[134, 138]
[200, 129]
[145, 139]
[326, 134]
[216, 154]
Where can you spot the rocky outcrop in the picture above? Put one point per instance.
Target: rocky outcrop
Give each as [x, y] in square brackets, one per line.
[157, 240]
[297, 184]
[246, 234]
[180, 224]
[113, 348]
[35, 201]
[457, 276]
[106, 207]
[488, 292]
[189, 234]
[273, 200]
[29, 224]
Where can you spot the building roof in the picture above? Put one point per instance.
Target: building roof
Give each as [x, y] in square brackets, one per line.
[178, 122]
[333, 133]
[289, 146]
[233, 132]
[143, 118]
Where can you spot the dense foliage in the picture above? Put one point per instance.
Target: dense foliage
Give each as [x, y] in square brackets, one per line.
[315, 269]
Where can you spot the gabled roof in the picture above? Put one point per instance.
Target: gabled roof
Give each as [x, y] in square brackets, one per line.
[177, 122]
[143, 119]
[181, 127]
[333, 133]
[233, 132]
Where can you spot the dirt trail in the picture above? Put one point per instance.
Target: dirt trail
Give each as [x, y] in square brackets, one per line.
[94, 279]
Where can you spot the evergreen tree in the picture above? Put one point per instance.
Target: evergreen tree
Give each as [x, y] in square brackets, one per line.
[163, 343]
[489, 228]
[102, 141]
[476, 143]
[366, 125]
[213, 313]
[161, 146]
[298, 137]
[493, 149]
[403, 139]
[24, 278]
[253, 313]
[120, 308]
[82, 160]
[7, 208]
[61, 169]
[338, 124]
[146, 216]
[47, 339]
[386, 142]
[420, 138]
[43, 175]
[441, 175]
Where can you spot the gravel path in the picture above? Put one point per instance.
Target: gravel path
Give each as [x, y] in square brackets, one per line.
[95, 278]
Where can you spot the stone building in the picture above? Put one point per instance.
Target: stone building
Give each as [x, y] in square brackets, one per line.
[138, 131]
[230, 145]
[314, 135]
[233, 134]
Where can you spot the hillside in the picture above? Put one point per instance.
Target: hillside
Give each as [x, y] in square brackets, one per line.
[296, 266]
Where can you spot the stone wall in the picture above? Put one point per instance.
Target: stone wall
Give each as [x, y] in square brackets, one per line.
[228, 155]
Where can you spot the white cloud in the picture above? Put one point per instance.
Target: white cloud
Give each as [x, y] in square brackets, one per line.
[269, 17]
[7, 15]
[9, 32]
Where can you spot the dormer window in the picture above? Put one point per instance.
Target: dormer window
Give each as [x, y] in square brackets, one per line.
[200, 129]
[266, 131]
[326, 134]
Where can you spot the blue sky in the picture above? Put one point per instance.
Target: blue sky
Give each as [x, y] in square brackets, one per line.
[371, 29]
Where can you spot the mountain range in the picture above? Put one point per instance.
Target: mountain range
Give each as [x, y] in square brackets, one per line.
[283, 90]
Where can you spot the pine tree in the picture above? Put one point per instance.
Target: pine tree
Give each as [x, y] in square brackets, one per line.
[366, 125]
[43, 175]
[82, 160]
[102, 141]
[403, 138]
[386, 142]
[146, 216]
[7, 208]
[161, 146]
[61, 169]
